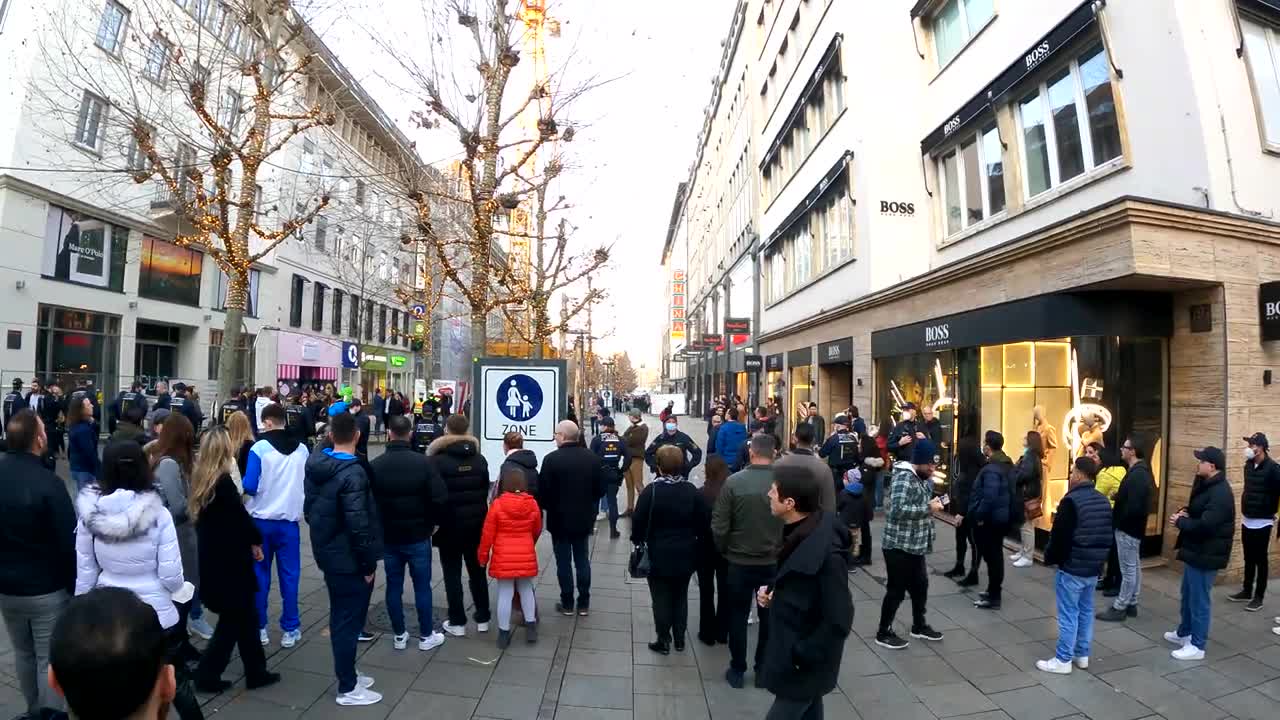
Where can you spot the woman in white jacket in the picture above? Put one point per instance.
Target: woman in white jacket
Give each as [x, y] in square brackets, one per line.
[125, 538]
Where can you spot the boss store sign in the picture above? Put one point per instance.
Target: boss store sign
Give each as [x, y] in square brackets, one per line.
[1269, 310]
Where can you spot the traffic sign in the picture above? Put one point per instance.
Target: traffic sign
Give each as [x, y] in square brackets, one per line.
[418, 310]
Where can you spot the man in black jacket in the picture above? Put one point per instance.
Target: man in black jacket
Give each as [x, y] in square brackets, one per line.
[465, 472]
[1206, 529]
[614, 458]
[363, 425]
[182, 402]
[13, 402]
[810, 608]
[37, 556]
[1129, 516]
[671, 435]
[345, 541]
[411, 498]
[1258, 501]
[570, 486]
[990, 501]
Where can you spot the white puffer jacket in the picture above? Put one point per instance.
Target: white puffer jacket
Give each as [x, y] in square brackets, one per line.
[127, 540]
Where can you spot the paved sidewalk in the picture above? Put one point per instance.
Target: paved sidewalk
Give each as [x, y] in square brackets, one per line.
[599, 667]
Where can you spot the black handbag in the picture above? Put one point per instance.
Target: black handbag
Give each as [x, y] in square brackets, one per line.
[639, 563]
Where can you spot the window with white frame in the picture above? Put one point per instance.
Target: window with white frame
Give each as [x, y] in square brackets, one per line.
[819, 241]
[111, 27]
[1262, 50]
[136, 160]
[955, 22]
[322, 232]
[811, 124]
[91, 122]
[972, 178]
[1068, 123]
[157, 60]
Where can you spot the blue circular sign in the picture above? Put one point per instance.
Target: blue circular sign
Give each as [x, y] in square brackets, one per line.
[519, 398]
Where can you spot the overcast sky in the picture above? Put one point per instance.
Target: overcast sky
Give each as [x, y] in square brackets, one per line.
[638, 131]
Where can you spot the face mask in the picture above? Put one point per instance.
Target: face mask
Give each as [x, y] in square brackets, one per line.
[908, 415]
[1248, 453]
[671, 427]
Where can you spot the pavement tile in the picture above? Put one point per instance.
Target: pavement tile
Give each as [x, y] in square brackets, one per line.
[1205, 682]
[596, 691]
[298, 689]
[642, 655]
[655, 680]
[1249, 704]
[671, 707]
[1001, 683]
[601, 640]
[1245, 669]
[454, 679]
[1032, 703]
[525, 671]
[607, 620]
[247, 707]
[600, 662]
[878, 690]
[954, 699]
[510, 702]
[431, 706]
[1094, 697]
[1161, 695]
[981, 664]
[580, 713]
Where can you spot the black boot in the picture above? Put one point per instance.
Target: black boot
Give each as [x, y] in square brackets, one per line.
[955, 572]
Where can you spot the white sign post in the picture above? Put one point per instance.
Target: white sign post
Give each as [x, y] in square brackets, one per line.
[524, 396]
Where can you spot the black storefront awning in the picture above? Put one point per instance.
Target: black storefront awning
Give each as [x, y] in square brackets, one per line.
[797, 110]
[773, 363]
[800, 358]
[1040, 52]
[1264, 5]
[838, 351]
[816, 194]
[1046, 317]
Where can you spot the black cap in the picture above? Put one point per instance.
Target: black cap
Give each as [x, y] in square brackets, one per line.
[909, 406]
[17, 383]
[1259, 440]
[841, 420]
[1214, 456]
[179, 387]
[607, 421]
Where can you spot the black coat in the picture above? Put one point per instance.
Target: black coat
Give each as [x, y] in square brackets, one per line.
[339, 508]
[466, 476]
[674, 519]
[362, 445]
[1261, 493]
[1133, 500]
[692, 453]
[410, 493]
[570, 486]
[1206, 533]
[37, 528]
[226, 538]
[811, 613]
[523, 461]
[968, 463]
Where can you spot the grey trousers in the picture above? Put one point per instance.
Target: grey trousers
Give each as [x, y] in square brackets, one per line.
[29, 621]
[1127, 548]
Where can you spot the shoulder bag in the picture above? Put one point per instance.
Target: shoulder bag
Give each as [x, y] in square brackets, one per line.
[638, 565]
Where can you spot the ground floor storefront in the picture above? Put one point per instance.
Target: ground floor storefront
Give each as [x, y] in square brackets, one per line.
[1136, 318]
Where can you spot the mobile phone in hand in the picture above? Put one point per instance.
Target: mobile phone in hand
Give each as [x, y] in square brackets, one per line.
[945, 499]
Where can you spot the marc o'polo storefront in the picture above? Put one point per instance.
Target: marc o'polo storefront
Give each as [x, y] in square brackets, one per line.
[1092, 365]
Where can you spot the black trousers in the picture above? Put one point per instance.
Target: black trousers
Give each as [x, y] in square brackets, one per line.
[454, 552]
[238, 628]
[1111, 578]
[670, 606]
[964, 543]
[184, 701]
[990, 539]
[788, 709]
[713, 599]
[1255, 544]
[907, 574]
[744, 580]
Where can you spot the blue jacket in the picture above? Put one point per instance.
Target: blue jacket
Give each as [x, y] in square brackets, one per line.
[992, 492]
[82, 447]
[730, 438]
[1082, 533]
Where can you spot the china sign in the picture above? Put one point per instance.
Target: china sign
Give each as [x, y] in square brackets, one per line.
[678, 292]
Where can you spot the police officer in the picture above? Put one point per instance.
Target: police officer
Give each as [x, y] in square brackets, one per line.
[615, 457]
[181, 403]
[426, 428]
[298, 421]
[234, 404]
[124, 400]
[905, 433]
[13, 402]
[841, 450]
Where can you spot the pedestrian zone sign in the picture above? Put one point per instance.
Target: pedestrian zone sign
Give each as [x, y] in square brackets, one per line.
[524, 396]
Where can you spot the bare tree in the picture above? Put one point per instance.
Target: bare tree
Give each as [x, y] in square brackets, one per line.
[622, 374]
[201, 97]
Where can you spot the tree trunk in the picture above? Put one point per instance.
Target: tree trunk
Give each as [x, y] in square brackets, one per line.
[479, 332]
[227, 379]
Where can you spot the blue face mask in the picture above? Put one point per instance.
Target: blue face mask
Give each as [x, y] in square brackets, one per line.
[671, 427]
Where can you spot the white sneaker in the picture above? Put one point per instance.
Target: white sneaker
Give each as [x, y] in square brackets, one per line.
[431, 642]
[200, 628]
[600, 516]
[1188, 652]
[290, 638]
[482, 627]
[363, 681]
[1276, 630]
[1054, 665]
[359, 696]
[1173, 637]
[263, 638]
[1023, 562]
[454, 630]
[401, 641]
[1083, 662]
[1016, 556]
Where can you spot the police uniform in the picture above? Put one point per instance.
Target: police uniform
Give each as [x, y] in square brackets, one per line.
[425, 429]
[229, 408]
[298, 424]
[13, 402]
[615, 457]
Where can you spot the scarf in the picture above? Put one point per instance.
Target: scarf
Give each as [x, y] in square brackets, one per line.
[669, 479]
[794, 534]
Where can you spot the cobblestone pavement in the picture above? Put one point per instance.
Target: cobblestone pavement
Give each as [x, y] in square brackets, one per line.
[599, 667]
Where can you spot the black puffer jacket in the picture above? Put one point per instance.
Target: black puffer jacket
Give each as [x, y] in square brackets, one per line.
[466, 475]
[811, 612]
[524, 461]
[1261, 492]
[410, 493]
[1206, 533]
[339, 508]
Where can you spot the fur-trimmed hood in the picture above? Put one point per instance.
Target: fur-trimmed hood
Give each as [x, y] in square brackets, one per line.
[457, 445]
[121, 515]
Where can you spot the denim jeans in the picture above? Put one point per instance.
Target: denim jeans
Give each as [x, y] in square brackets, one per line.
[573, 554]
[878, 482]
[1075, 614]
[348, 605]
[1127, 547]
[83, 479]
[1196, 604]
[418, 557]
[611, 502]
[281, 544]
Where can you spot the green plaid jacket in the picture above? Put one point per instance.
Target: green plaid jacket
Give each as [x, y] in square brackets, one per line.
[908, 523]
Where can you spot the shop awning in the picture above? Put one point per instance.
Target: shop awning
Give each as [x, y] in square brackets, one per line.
[294, 372]
[1040, 52]
[811, 199]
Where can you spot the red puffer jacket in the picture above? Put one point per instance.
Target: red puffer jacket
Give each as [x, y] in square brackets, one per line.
[511, 528]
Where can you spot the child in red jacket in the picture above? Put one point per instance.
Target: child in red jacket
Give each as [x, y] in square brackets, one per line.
[511, 528]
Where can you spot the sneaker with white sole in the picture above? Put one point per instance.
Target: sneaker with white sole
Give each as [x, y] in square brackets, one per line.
[364, 681]
[1188, 652]
[431, 642]
[290, 638]
[1054, 665]
[200, 628]
[1016, 556]
[263, 637]
[1173, 637]
[401, 641]
[1023, 562]
[1083, 662]
[359, 696]
[482, 627]
[1276, 630]
[454, 630]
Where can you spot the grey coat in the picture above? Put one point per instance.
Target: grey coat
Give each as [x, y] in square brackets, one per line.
[174, 486]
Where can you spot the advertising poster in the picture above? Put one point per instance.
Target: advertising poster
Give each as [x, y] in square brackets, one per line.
[169, 272]
[84, 250]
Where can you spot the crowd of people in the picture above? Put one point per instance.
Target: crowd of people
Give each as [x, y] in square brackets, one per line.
[168, 521]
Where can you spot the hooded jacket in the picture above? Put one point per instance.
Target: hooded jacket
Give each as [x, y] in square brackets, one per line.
[466, 476]
[127, 540]
[410, 493]
[811, 612]
[511, 528]
[274, 475]
[339, 508]
[524, 461]
[855, 507]
[1206, 533]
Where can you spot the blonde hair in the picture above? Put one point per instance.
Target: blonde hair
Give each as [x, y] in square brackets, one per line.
[238, 427]
[217, 458]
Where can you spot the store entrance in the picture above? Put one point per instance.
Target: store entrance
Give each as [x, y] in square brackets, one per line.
[835, 390]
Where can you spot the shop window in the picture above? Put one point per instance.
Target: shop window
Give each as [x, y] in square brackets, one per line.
[336, 318]
[251, 303]
[1262, 50]
[245, 357]
[76, 345]
[1068, 123]
[972, 178]
[957, 21]
[317, 308]
[84, 250]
